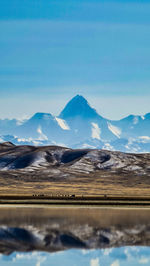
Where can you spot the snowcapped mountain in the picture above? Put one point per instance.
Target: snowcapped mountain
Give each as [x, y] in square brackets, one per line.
[40, 125]
[8, 126]
[80, 126]
[133, 126]
[85, 122]
[78, 107]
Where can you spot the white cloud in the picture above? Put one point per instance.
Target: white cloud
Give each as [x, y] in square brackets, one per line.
[27, 256]
[107, 251]
[143, 260]
[86, 251]
[115, 263]
[144, 139]
[40, 260]
[38, 263]
[30, 256]
[94, 262]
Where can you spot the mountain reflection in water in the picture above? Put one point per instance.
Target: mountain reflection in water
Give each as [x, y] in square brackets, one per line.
[74, 236]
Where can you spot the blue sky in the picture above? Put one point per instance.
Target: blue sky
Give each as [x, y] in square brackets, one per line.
[53, 50]
[131, 256]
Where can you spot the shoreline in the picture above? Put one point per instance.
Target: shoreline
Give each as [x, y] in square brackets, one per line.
[75, 204]
[43, 206]
[101, 201]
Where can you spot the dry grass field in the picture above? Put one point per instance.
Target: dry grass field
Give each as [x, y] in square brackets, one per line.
[95, 184]
[57, 171]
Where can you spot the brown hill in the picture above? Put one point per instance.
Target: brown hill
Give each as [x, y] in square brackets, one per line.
[55, 169]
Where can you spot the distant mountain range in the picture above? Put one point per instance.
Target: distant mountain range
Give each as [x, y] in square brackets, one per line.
[80, 126]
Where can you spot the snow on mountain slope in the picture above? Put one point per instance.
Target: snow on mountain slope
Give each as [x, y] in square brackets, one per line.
[62, 123]
[79, 115]
[135, 120]
[115, 130]
[95, 131]
[133, 126]
[42, 135]
[40, 125]
[79, 125]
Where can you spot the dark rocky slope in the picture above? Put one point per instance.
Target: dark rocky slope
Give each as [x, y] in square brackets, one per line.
[55, 170]
[27, 158]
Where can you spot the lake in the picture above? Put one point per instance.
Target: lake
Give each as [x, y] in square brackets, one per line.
[94, 236]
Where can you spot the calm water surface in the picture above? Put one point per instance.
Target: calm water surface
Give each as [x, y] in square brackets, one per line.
[74, 236]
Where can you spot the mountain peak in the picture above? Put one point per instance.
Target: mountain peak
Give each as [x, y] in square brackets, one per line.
[39, 116]
[79, 98]
[78, 106]
[147, 116]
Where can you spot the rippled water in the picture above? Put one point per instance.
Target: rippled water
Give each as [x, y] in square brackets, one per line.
[74, 236]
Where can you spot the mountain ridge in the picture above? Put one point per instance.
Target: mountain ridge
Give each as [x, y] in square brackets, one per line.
[78, 106]
[79, 125]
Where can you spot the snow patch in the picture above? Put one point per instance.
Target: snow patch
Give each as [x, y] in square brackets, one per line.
[95, 131]
[62, 123]
[115, 130]
[22, 120]
[115, 263]
[133, 168]
[107, 146]
[94, 262]
[87, 146]
[59, 144]
[39, 160]
[135, 120]
[42, 135]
